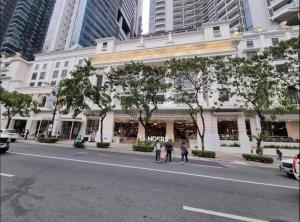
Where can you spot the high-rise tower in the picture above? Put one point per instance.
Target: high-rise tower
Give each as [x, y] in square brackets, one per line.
[81, 22]
[27, 27]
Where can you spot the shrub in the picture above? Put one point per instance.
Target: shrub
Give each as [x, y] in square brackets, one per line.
[102, 145]
[281, 147]
[231, 145]
[258, 158]
[48, 139]
[142, 147]
[200, 153]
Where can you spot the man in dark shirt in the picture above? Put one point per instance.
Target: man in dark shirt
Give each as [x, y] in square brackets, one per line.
[169, 149]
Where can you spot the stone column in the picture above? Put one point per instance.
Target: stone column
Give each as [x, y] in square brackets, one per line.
[243, 137]
[83, 125]
[108, 128]
[211, 137]
[141, 132]
[170, 130]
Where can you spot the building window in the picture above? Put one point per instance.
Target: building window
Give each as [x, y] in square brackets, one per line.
[55, 74]
[294, 95]
[251, 54]
[104, 46]
[64, 73]
[275, 41]
[42, 75]
[45, 66]
[53, 83]
[66, 63]
[39, 84]
[80, 62]
[34, 75]
[57, 64]
[99, 80]
[31, 84]
[36, 67]
[216, 31]
[6, 64]
[250, 44]
[223, 95]
[159, 99]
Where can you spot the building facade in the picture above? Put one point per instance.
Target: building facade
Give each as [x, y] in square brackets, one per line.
[80, 22]
[228, 125]
[169, 15]
[284, 11]
[7, 8]
[26, 31]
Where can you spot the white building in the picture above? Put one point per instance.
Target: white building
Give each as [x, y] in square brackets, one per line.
[284, 11]
[228, 125]
[245, 15]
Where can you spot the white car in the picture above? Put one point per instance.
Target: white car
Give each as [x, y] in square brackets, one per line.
[13, 134]
[290, 166]
[4, 142]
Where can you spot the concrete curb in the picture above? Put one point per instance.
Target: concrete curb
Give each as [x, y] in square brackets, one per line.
[217, 160]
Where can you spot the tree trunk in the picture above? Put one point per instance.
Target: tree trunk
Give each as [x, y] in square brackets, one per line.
[259, 149]
[198, 131]
[202, 141]
[146, 131]
[101, 127]
[8, 123]
[203, 128]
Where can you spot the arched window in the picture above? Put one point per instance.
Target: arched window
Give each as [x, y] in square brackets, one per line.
[43, 103]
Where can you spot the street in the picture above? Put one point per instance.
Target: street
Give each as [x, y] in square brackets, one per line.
[49, 184]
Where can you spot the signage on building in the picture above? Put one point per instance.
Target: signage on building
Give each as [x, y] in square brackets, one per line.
[51, 101]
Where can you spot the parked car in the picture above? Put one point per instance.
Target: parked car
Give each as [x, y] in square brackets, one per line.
[4, 142]
[290, 166]
[13, 134]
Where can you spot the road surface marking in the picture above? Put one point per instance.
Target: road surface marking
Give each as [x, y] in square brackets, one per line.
[158, 170]
[19, 144]
[219, 214]
[81, 152]
[6, 175]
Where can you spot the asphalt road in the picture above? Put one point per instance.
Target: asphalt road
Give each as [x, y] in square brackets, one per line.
[49, 184]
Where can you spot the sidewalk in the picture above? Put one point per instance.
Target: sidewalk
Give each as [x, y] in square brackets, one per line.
[222, 156]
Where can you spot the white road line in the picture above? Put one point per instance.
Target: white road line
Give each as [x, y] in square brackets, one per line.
[81, 152]
[219, 214]
[157, 170]
[16, 144]
[6, 175]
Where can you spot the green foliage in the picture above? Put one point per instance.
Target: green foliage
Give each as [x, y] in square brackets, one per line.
[103, 145]
[287, 73]
[258, 158]
[207, 154]
[79, 93]
[142, 148]
[17, 103]
[281, 147]
[137, 87]
[48, 139]
[231, 145]
[192, 82]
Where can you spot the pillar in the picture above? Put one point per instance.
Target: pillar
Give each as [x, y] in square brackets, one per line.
[141, 132]
[170, 130]
[243, 137]
[211, 137]
[83, 125]
[108, 128]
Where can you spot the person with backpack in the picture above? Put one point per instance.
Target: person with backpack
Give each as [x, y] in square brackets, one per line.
[184, 152]
[169, 149]
[279, 154]
[157, 150]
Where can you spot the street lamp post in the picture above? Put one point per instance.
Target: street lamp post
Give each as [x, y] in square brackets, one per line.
[54, 110]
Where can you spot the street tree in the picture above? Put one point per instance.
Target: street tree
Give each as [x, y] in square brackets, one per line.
[193, 84]
[287, 71]
[16, 103]
[257, 90]
[80, 93]
[137, 86]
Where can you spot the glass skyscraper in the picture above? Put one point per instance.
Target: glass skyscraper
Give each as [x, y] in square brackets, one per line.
[88, 20]
[7, 8]
[27, 28]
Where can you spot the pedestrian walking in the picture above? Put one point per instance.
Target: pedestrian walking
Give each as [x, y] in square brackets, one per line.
[184, 152]
[26, 135]
[157, 150]
[169, 149]
[279, 154]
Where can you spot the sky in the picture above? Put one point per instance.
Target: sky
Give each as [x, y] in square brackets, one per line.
[146, 4]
